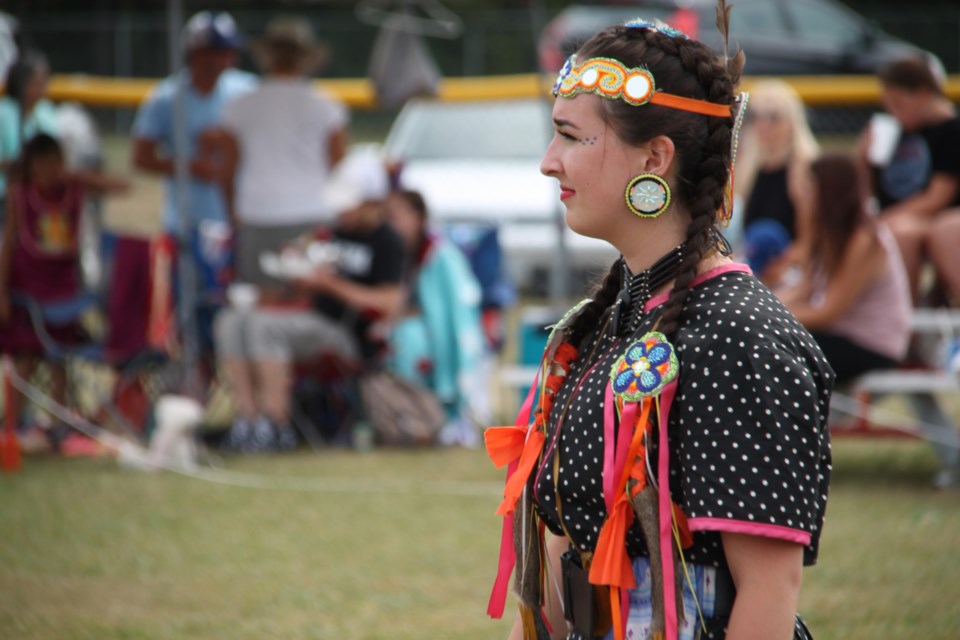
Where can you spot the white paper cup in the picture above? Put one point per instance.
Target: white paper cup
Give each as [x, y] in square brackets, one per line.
[884, 135]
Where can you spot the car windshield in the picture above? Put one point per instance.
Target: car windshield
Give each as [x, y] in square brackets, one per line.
[517, 129]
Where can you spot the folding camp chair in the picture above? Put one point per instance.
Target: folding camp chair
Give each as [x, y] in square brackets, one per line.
[133, 310]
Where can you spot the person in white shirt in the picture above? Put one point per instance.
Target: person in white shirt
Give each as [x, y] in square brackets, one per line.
[285, 137]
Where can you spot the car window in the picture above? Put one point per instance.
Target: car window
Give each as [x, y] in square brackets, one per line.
[514, 129]
[824, 23]
[583, 22]
[752, 18]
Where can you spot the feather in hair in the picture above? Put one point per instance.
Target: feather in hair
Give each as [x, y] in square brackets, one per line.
[723, 26]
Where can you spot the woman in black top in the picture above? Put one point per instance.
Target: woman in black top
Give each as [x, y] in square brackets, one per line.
[775, 158]
[682, 371]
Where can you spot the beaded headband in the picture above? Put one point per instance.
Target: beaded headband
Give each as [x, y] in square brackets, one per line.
[610, 79]
[655, 25]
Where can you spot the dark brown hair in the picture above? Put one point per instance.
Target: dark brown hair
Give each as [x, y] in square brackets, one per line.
[415, 200]
[839, 210]
[41, 145]
[686, 68]
[28, 63]
[911, 74]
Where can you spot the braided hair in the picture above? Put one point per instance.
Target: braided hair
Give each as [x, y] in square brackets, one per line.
[687, 68]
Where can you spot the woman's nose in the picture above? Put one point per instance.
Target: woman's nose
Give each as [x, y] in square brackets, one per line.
[550, 165]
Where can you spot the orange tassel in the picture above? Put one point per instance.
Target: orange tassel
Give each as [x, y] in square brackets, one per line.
[514, 486]
[611, 564]
[504, 444]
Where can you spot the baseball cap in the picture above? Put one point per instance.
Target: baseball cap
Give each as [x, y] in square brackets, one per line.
[211, 30]
[358, 178]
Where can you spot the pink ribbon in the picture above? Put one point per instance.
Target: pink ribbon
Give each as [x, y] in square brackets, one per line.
[508, 556]
[666, 514]
[609, 407]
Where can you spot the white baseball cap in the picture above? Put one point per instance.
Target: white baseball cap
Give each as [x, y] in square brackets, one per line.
[359, 177]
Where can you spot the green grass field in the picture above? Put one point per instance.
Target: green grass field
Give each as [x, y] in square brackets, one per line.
[93, 551]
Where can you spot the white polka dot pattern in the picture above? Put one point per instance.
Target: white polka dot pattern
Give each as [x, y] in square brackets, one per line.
[748, 428]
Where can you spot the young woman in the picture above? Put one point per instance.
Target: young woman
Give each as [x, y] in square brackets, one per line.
[772, 172]
[682, 403]
[855, 296]
[855, 299]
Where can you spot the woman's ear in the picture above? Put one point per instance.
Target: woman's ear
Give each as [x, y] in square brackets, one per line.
[661, 152]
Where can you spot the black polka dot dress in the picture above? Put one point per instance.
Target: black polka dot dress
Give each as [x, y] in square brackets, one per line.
[749, 444]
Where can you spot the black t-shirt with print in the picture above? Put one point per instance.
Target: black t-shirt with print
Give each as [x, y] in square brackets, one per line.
[749, 443]
[372, 258]
[918, 156]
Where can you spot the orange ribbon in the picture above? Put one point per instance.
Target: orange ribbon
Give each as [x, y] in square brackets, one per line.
[611, 564]
[691, 104]
[506, 444]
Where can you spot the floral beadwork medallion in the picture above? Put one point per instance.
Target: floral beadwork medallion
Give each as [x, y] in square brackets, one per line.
[646, 367]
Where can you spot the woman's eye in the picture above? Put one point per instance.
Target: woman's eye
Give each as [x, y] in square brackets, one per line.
[566, 136]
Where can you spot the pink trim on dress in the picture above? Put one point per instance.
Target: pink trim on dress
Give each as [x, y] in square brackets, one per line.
[730, 267]
[776, 531]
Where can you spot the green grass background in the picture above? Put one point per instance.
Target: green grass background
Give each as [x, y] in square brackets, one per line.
[93, 551]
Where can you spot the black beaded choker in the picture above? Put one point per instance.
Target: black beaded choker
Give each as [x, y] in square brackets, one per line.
[637, 288]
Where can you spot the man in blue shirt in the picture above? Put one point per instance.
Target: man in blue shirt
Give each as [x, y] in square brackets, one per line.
[210, 41]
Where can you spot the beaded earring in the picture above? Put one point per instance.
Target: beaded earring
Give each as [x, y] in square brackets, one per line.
[648, 195]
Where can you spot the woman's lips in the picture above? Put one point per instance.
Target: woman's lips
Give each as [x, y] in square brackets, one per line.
[566, 192]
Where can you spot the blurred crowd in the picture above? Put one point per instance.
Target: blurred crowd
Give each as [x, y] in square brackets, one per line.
[311, 261]
[852, 242]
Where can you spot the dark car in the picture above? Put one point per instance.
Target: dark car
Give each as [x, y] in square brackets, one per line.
[780, 37]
